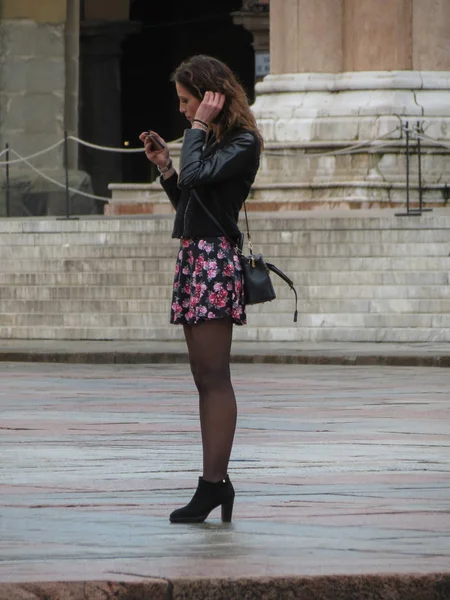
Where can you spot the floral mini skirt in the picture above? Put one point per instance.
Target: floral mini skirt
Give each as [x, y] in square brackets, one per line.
[207, 283]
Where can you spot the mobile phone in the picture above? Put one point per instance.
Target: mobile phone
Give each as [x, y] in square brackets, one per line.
[156, 144]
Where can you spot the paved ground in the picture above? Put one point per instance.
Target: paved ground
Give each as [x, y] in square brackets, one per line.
[338, 470]
[107, 352]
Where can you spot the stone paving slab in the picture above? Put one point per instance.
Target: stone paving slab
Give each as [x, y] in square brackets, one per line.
[338, 472]
[153, 352]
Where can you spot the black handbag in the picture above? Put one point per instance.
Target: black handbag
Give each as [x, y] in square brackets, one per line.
[258, 286]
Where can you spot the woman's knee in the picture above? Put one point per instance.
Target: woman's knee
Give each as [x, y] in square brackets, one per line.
[207, 378]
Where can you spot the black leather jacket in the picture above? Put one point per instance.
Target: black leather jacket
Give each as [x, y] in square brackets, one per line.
[221, 173]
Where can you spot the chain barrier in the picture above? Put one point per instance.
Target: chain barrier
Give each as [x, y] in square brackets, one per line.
[348, 150]
[104, 148]
[430, 140]
[353, 149]
[58, 183]
[40, 153]
[370, 146]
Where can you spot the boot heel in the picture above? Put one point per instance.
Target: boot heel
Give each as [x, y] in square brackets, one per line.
[227, 511]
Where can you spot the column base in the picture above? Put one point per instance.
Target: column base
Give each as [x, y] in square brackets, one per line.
[302, 116]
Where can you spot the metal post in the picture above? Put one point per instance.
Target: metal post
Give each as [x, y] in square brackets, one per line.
[66, 168]
[419, 159]
[409, 213]
[419, 130]
[407, 167]
[7, 182]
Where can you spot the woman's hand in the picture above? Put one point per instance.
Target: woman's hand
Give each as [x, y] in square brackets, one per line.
[160, 158]
[210, 107]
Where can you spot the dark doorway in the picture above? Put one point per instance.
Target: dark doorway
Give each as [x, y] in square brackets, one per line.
[172, 31]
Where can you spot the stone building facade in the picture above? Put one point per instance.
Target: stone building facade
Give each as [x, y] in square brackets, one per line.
[342, 72]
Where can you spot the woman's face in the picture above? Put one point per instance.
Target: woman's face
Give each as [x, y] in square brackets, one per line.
[188, 103]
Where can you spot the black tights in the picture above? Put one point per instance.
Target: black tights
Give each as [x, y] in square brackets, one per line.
[209, 346]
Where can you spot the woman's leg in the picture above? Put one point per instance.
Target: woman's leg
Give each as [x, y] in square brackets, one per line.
[209, 346]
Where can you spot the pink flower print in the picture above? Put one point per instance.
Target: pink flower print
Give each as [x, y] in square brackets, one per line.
[189, 315]
[202, 310]
[187, 288]
[191, 260]
[199, 264]
[200, 289]
[194, 300]
[177, 268]
[212, 273]
[220, 255]
[186, 270]
[218, 287]
[218, 299]
[237, 313]
[228, 270]
[201, 244]
[211, 315]
[229, 286]
[224, 244]
[186, 303]
[180, 255]
[237, 286]
[212, 269]
[208, 248]
[176, 308]
[186, 243]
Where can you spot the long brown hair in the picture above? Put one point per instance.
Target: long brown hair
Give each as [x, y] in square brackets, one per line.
[200, 74]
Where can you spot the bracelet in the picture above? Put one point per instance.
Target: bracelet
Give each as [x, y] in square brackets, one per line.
[166, 168]
[201, 127]
[201, 123]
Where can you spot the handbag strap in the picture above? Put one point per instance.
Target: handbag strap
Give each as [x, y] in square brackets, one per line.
[270, 266]
[215, 221]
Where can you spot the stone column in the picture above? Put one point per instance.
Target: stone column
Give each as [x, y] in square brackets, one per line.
[349, 71]
[100, 115]
[39, 99]
[33, 76]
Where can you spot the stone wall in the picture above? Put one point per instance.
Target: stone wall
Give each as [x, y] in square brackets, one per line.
[32, 87]
[39, 49]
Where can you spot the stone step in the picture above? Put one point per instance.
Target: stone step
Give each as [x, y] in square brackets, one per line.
[139, 238]
[259, 221]
[270, 250]
[365, 278]
[275, 320]
[152, 279]
[245, 333]
[378, 263]
[163, 292]
[90, 307]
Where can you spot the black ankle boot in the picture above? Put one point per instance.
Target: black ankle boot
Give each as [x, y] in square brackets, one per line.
[207, 497]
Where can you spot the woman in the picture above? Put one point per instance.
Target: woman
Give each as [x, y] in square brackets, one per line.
[218, 163]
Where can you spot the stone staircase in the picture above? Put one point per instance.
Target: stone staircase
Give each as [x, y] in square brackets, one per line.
[365, 276]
